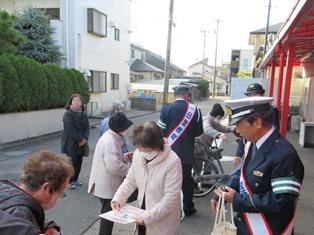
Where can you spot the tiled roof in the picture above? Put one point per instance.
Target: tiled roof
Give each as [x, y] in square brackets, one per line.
[271, 29]
[140, 66]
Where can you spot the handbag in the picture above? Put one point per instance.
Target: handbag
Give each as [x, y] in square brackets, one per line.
[83, 150]
[222, 226]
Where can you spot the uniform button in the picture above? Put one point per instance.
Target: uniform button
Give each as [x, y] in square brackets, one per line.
[239, 219]
[256, 184]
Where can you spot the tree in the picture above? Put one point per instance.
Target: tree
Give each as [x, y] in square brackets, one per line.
[203, 86]
[244, 74]
[39, 44]
[9, 37]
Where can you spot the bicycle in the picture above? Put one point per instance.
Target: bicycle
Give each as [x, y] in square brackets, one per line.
[211, 173]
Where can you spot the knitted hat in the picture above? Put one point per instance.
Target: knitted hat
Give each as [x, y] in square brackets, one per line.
[118, 122]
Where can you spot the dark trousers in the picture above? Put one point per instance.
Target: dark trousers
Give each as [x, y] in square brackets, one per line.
[187, 186]
[77, 164]
[106, 226]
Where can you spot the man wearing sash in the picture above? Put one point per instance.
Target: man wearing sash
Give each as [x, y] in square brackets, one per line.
[181, 122]
[264, 193]
[255, 89]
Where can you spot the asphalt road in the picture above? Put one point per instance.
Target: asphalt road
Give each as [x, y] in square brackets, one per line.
[78, 211]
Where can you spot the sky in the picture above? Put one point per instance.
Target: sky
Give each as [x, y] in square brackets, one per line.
[149, 26]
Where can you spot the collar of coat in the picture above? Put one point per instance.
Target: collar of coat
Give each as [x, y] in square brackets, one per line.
[159, 158]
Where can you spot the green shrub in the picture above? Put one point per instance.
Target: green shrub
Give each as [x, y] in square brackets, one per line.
[28, 85]
[38, 84]
[203, 86]
[21, 66]
[11, 92]
[59, 76]
[82, 85]
[53, 91]
[1, 90]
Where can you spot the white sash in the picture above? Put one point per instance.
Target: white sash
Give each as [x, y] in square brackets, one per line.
[183, 124]
[257, 222]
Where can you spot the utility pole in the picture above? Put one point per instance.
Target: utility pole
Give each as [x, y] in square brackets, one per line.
[267, 26]
[204, 34]
[167, 63]
[215, 70]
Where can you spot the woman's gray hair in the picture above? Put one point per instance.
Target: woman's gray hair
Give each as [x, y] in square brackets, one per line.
[116, 107]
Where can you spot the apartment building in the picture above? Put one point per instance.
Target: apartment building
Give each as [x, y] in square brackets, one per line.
[94, 38]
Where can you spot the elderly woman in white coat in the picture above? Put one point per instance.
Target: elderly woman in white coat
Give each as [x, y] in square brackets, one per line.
[157, 173]
[109, 166]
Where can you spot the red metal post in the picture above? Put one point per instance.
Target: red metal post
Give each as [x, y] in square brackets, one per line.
[272, 78]
[279, 87]
[285, 106]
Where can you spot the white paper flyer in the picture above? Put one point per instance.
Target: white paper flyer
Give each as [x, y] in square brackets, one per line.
[126, 215]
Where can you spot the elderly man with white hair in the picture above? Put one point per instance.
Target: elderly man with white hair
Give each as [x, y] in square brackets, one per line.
[116, 106]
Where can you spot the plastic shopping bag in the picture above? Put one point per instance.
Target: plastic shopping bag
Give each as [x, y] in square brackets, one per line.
[221, 226]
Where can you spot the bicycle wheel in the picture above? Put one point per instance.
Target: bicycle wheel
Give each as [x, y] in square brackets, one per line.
[205, 188]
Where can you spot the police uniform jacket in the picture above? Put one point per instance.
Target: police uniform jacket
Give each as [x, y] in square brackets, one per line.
[170, 117]
[274, 176]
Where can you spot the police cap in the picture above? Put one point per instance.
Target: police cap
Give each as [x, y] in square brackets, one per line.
[182, 89]
[254, 88]
[240, 108]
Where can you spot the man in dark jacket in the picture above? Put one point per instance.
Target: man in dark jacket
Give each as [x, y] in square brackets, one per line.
[45, 177]
[181, 123]
[264, 192]
[255, 89]
[12, 225]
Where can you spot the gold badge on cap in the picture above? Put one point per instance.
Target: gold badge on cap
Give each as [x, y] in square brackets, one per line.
[252, 86]
[229, 111]
[258, 173]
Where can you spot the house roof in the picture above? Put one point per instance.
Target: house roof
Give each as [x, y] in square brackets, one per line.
[159, 57]
[141, 66]
[271, 29]
[297, 31]
[201, 62]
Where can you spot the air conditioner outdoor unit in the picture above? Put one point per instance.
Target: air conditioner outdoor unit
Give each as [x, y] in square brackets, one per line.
[306, 138]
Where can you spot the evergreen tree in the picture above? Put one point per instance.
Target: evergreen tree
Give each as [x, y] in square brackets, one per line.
[9, 37]
[39, 44]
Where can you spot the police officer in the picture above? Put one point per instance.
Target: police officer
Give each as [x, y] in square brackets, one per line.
[254, 89]
[181, 123]
[265, 190]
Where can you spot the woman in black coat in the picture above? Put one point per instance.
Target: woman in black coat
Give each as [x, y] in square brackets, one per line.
[75, 135]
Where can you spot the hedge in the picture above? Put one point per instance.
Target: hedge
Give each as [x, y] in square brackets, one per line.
[27, 85]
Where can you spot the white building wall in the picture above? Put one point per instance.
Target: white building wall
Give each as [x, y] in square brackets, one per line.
[17, 5]
[198, 68]
[85, 51]
[89, 51]
[246, 60]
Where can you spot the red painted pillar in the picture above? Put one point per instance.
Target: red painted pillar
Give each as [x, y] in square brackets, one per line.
[279, 87]
[272, 78]
[285, 106]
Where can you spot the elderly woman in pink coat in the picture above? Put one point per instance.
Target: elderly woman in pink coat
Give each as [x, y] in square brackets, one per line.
[157, 173]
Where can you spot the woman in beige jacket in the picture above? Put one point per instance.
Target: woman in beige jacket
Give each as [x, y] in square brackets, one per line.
[109, 166]
[157, 173]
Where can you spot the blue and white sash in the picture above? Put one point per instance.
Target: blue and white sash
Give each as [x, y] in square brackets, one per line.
[183, 124]
[256, 222]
